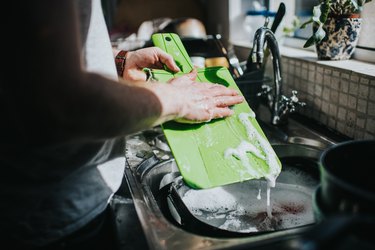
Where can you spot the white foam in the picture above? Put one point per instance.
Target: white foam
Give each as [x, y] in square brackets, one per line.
[206, 200]
[259, 196]
[241, 153]
[259, 144]
[236, 207]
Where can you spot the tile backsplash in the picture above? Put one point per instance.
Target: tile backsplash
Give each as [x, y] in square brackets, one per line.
[341, 99]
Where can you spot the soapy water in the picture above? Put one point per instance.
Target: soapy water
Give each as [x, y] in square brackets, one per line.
[250, 206]
[253, 146]
[263, 146]
[237, 207]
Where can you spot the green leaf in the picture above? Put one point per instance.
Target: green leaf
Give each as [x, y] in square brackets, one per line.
[306, 23]
[309, 42]
[319, 34]
[325, 9]
[316, 12]
[316, 37]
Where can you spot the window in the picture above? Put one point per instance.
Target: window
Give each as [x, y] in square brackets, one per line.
[366, 45]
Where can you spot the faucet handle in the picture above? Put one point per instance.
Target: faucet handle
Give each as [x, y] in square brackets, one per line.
[292, 101]
[295, 99]
[287, 106]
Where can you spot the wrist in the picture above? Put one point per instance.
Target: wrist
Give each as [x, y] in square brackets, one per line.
[170, 105]
[120, 60]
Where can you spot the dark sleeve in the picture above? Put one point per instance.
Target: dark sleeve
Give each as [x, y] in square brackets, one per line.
[46, 94]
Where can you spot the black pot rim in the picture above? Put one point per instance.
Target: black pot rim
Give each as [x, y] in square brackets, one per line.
[317, 206]
[326, 173]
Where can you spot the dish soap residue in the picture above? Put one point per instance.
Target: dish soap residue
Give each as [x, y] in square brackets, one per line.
[258, 146]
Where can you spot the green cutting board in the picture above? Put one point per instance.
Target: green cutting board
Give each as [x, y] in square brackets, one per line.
[214, 153]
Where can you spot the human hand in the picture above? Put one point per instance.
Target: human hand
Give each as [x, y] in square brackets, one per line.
[151, 57]
[198, 102]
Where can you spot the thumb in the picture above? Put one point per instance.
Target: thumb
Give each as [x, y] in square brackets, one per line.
[167, 59]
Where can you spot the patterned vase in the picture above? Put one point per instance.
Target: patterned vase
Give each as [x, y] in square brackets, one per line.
[341, 38]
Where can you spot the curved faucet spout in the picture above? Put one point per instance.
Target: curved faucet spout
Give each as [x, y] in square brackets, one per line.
[265, 38]
[280, 105]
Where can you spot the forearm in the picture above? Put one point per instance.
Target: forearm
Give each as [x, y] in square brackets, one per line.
[52, 97]
[49, 98]
[97, 108]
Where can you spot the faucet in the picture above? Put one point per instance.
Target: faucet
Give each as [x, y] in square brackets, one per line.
[279, 105]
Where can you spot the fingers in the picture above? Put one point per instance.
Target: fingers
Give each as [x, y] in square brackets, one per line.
[218, 89]
[197, 102]
[167, 59]
[222, 112]
[216, 113]
[221, 107]
[208, 115]
[224, 101]
[204, 107]
[185, 79]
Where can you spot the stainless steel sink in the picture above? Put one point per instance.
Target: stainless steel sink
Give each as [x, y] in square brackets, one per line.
[304, 132]
[152, 170]
[239, 209]
[163, 230]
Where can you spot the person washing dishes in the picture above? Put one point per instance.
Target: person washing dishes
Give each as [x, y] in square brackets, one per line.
[65, 113]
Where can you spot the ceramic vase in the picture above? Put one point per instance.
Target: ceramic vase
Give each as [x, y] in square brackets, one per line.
[341, 38]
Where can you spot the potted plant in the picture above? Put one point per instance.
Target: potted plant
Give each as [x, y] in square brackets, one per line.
[336, 27]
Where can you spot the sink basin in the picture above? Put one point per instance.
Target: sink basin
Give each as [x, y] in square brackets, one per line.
[297, 131]
[234, 210]
[157, 188]
[165, 226]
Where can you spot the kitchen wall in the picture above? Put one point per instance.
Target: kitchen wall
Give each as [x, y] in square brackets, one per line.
[341, 99]
[131, 13]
